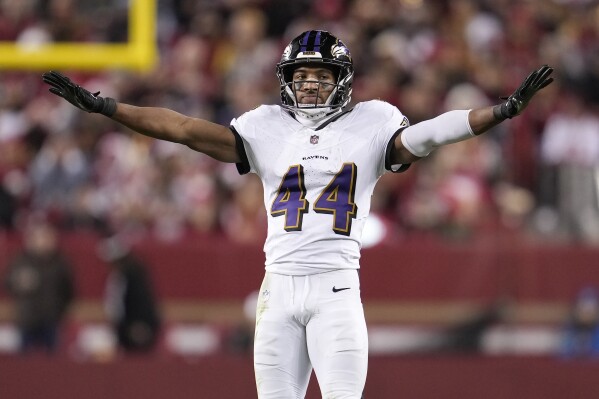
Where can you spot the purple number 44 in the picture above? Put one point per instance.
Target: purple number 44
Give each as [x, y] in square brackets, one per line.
[336, 199]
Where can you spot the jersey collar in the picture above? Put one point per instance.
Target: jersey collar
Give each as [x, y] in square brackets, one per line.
[318, 124]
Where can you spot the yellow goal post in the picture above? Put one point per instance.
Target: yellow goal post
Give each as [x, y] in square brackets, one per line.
[138, 53]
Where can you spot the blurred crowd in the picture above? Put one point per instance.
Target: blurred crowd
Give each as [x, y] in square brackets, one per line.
[537, 173]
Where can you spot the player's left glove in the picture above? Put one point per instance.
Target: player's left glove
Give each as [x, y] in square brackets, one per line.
[515, 103]
[78, 96]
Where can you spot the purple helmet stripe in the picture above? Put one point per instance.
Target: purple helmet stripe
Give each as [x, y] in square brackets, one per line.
[317, 42]
[304, 41]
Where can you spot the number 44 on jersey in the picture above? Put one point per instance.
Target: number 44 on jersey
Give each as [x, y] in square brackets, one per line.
[336, 199]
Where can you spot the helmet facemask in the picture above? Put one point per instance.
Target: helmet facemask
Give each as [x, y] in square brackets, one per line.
[316, 49]
[336, 99]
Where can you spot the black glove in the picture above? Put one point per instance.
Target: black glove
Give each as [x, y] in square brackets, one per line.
[520, 98]
[78, 96]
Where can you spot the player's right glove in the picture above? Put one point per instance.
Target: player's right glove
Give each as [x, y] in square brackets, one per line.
[515, 103]
[78, 96]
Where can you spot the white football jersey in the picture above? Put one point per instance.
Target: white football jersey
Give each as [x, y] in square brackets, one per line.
[317, 182]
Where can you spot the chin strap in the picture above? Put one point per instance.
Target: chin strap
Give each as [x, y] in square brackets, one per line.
[313, 114]
[315, 120]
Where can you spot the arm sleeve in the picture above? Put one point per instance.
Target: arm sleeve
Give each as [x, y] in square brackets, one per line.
[451, 127]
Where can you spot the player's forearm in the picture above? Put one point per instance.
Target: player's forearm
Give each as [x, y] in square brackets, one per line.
[482, 119]
[447, 128]
[200, 135]
[159, 123]
[450, 127]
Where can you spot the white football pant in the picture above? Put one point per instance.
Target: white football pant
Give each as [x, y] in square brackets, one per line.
[310, 321]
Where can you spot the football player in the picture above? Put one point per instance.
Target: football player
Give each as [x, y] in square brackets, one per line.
[319, 161]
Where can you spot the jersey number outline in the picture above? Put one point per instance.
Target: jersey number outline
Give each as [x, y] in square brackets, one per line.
[336, 199]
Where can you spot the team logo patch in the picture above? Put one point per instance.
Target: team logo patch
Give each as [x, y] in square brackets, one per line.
[314, 139]
[339, 50]
[287, 52]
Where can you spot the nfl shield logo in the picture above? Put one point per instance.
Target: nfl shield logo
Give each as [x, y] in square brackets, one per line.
[314, 139]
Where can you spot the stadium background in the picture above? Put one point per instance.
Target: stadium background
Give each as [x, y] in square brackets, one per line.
[504, 228]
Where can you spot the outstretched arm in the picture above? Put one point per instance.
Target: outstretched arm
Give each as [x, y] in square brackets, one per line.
[210, 138]
[419, 140]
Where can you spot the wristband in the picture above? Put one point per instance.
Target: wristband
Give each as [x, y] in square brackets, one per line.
[108, 106]
[498, 114]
